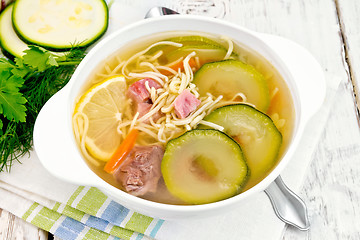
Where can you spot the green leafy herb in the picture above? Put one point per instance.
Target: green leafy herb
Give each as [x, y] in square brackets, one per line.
[25, 86]
[38, 59]
[11, 100]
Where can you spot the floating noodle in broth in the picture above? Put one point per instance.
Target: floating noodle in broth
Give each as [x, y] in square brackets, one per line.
[203, 108]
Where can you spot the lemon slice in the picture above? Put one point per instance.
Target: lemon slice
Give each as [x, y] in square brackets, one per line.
[103, 104]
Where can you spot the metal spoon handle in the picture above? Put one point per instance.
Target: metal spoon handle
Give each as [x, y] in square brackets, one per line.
[289, 207]
[159, 11]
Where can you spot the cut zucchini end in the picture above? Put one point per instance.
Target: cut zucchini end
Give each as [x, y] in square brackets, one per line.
[206, 49]
[58, 37]
[193, 40]
[189, 40]
[204, 166]
[10, 44]
[206, 53]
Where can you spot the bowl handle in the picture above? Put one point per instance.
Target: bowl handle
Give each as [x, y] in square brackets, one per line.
[305, 69]
[55, 145]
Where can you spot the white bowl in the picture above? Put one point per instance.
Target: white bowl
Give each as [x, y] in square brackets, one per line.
[53, 135]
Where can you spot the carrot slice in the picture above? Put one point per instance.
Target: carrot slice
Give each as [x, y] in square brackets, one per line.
[180, 65]
[120, 154]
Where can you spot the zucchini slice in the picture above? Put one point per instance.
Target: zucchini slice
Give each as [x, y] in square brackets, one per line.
[12, 46]
[185, 41]
[230, 77]
[10, 43]
[203, 166]
[206, 53]
[193, 40]
[60, 24]
[256, 133]
[207, 49]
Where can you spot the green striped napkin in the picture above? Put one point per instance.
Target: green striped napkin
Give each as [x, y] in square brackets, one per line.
[78, 213]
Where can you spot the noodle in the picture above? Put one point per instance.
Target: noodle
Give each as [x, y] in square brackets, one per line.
[107, 68]
[146, 50]
[152, 75]
[168, 125]
[80, 138]
[134, 121]
[279, 122]
[170, 70]
[163, 100]
[150, 65]
[212, 125]
[156, 56]
[230, 47]
[117, 67]
[274, 92]
[171, 88]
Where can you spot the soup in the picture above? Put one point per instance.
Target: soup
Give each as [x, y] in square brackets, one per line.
[184, 118]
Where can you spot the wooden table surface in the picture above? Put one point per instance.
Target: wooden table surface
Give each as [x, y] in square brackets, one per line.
[330, 30]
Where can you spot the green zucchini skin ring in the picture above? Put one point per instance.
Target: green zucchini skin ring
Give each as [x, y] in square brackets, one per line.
[240, 77]
[262, 154]
[203, 166]
[7, 44]
[65, 46]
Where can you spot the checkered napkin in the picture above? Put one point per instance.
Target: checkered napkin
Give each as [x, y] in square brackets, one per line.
[81, 212]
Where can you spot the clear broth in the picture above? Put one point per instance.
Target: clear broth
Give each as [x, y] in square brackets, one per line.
[281, 103]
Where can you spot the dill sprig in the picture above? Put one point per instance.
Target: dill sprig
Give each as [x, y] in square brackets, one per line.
[43, 74]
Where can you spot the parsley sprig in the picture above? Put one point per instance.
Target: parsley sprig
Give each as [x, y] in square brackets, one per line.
[25, 85]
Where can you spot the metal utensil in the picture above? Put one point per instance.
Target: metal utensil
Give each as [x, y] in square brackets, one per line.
[289, 207]
[159, 11]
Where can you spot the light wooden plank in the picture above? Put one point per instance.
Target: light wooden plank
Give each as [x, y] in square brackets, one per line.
[349, 18]
[12, 227]
[330, 189]
[312, 24]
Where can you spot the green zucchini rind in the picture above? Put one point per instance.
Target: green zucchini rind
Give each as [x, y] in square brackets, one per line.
[259, 138]
[10, 43]
[230, 77]
[204, 166]
[58, 27]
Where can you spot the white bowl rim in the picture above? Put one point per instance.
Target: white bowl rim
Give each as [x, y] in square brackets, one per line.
[153, 206]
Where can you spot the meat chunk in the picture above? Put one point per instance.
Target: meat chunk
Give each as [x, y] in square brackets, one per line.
[138, 92]
[185, 103]
[144, 108]
[141, 171]
[141, 97]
